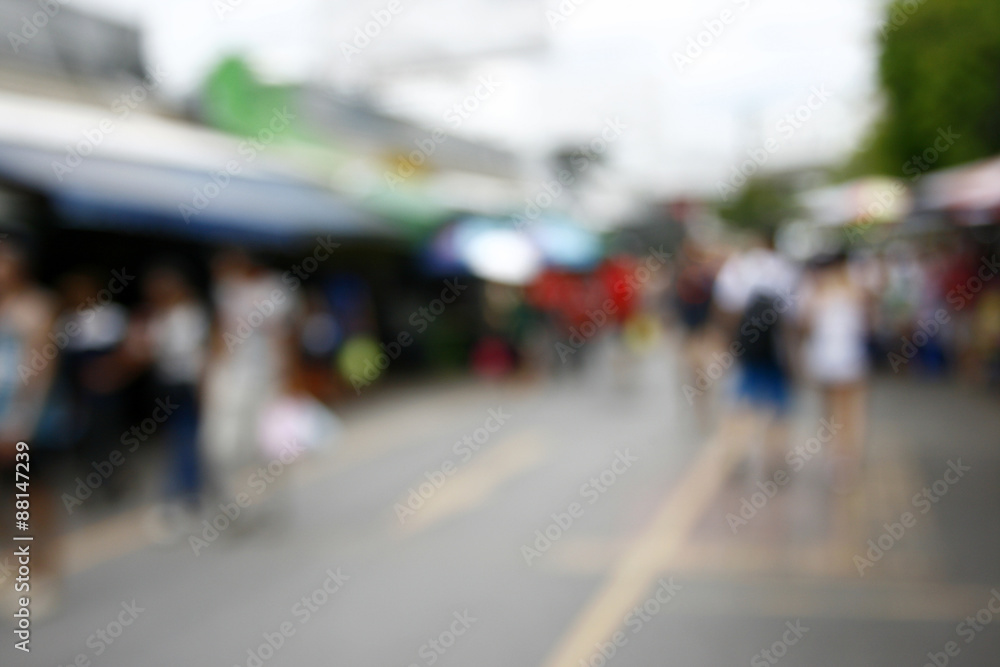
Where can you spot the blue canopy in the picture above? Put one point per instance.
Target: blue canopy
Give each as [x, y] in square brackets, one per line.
[103, 192]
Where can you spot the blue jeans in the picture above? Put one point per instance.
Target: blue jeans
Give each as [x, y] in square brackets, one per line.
[182, 437]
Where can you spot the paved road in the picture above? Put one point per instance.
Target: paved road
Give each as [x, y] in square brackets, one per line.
[635, 556]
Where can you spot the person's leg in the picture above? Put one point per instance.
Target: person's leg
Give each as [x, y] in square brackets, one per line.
[852, 420]
[105, 431]
[776, 444]
[184, 443]
[829, 400]
[846, 412]
[780, 396]
[692, 344]
[755, 416]
[45, 522]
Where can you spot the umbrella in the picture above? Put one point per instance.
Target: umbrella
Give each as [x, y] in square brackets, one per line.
[492, 249]
[565, 245]
[503, 256]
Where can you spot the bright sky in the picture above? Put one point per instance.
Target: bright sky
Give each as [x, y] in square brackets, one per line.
[686, 124]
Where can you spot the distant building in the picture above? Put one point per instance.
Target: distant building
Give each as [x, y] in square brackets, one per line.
[51, 49]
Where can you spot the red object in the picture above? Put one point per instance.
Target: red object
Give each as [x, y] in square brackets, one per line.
[617, 276]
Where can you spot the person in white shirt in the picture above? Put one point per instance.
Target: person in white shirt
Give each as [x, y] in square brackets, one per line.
[249, 364]
[174, 338]
[754, 293]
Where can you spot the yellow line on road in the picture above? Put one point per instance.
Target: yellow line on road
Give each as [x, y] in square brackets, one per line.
[834, 598]
[105, 540]
[645, 559]
[375, 432]
[476, 481]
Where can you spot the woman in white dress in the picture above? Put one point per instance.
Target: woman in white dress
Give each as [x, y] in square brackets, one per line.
[834, 316]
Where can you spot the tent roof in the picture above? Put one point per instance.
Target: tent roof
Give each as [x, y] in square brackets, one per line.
[140, 172]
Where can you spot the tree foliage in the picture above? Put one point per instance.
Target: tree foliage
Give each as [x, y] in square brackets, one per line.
[939, 68]
[763, 204]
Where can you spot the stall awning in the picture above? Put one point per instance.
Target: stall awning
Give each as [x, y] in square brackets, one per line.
[147, 174]
[102, 193]
[971, 192]
[865, 200]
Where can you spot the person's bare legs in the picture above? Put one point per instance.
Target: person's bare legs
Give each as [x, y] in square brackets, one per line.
[46, 525]
[846, 407]
[45, 550]
[775, 444]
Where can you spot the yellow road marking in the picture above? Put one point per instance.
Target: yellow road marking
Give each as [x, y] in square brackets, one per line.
[476, 481]
[104, 540]
[586, 555]
[366, 437]
[632, 575]
[370, 434]
[664, 546]
[823, 598]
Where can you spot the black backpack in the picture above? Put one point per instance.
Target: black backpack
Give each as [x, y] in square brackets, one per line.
[760, 329]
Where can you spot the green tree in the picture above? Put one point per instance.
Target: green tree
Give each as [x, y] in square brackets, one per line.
[939, 68]
[762, 205]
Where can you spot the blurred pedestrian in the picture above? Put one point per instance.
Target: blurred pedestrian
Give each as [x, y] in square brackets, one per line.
[93, 370]
[318, 334]
[691, 301]
[250, 364]
[30, 412]
[173, 336]
[834, 317]
[754, 292]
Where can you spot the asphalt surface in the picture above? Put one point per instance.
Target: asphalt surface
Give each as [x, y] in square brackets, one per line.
[340, 561]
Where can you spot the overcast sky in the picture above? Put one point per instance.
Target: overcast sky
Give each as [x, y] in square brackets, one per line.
[687, 121]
